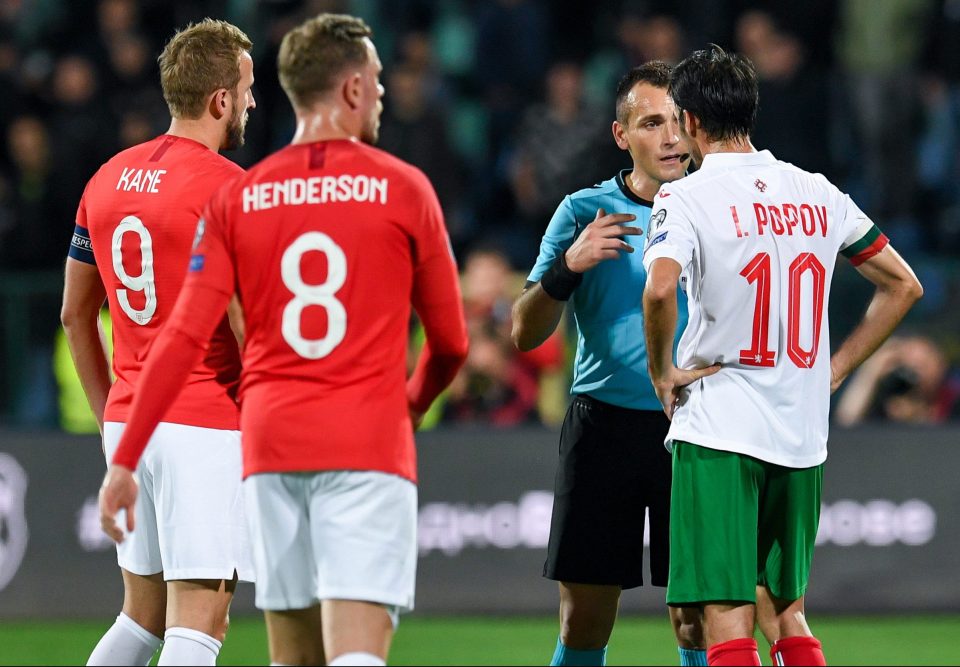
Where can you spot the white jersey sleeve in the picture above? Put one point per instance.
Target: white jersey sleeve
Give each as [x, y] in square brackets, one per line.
[671, 232]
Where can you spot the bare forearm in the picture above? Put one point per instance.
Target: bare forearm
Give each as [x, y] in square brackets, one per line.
[660, 325]
[535, 316]
[89, 352]
[886, 310]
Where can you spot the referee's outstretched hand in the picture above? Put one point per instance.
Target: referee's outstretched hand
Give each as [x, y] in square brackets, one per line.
[670, 386]
[118, 492]
[601, 239]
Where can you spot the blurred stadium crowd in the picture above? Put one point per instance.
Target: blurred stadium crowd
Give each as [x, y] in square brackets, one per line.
[506, 105]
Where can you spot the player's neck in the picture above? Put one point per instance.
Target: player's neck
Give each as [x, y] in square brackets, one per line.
[323, 123]
[199, 130]
[735, 145]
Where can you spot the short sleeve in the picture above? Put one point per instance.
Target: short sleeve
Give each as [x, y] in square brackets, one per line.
[558, 237]
[671, 233]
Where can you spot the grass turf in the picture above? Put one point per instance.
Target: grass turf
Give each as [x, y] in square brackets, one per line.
[507, 640]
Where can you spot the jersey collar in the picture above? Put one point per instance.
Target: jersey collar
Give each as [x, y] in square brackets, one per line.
[714, 160]
[627, 192]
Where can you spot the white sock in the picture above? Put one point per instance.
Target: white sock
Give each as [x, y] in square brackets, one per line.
[356, 658]
[183, 646]
[125, 643]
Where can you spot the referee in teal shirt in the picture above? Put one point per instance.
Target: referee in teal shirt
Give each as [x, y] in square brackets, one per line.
[613, 466]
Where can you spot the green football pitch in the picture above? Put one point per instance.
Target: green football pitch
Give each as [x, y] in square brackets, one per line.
[510, 640]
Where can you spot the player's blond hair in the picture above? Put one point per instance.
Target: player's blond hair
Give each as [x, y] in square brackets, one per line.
[316, 51]
[200, 59]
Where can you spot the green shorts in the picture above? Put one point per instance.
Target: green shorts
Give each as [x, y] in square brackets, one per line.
[736, 522]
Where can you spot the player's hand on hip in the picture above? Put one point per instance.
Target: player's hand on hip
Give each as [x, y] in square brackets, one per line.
[670, 387]
[601, 239]
[118, 492]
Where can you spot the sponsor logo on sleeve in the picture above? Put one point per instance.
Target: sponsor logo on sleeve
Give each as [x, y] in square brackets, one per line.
[657, 239]
[197, 262]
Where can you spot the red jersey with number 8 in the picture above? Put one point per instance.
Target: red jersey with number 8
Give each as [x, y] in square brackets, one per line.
[328, 244]
[141, 211]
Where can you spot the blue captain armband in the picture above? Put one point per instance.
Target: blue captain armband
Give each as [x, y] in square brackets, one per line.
[81, 248]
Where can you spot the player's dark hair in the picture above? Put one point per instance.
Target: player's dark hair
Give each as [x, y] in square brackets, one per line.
[720, 89]
[654, 72]
[316, 51]
[199, 60]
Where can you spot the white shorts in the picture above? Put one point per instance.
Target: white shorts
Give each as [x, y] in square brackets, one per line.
[189, 514]
[338, 535]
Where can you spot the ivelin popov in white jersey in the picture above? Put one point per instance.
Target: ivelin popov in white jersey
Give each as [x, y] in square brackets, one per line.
[753, 241]
[758, 240]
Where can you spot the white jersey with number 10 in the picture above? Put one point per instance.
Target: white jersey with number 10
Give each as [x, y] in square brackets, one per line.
[757, 240]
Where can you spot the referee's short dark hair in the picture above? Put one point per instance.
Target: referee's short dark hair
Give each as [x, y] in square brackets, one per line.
[720, 89]
[654, 72]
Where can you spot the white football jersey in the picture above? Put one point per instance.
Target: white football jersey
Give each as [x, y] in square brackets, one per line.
[757, 240]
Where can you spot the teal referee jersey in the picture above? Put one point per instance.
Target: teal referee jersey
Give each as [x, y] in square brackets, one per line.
[611, 360]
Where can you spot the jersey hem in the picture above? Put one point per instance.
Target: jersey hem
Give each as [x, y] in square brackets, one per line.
[215, 423]
[739, 448]
[264, 468]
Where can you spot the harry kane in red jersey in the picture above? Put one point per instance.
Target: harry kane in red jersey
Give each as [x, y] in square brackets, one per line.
[136, 226]
[327, 242]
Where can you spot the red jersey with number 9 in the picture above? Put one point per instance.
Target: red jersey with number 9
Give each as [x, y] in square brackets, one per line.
[141, 210]
[327, 244]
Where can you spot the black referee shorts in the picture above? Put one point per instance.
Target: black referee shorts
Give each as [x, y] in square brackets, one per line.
[613, 467]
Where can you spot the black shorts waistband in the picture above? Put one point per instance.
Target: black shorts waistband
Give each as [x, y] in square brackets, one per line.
[589, 401]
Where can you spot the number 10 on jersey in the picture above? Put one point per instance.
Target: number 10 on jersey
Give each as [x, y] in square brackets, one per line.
[758, 271]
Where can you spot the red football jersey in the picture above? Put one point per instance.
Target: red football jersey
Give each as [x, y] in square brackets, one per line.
[141, 209]
[327, 245]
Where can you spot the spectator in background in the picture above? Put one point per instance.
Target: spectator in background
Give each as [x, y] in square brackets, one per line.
[908, 380]
[512, 54]
[794, 96]
[637, 40]
[939, 150]
[416, 52]
[36, 199]
[562, 143]
[663, 39]
[415, 130]
[496, 384]
[35, 207]
[879, 49]
[131, 72]
[9, 75]
[81, 125]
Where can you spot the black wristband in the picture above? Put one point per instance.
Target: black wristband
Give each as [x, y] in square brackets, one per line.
[559, 281]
